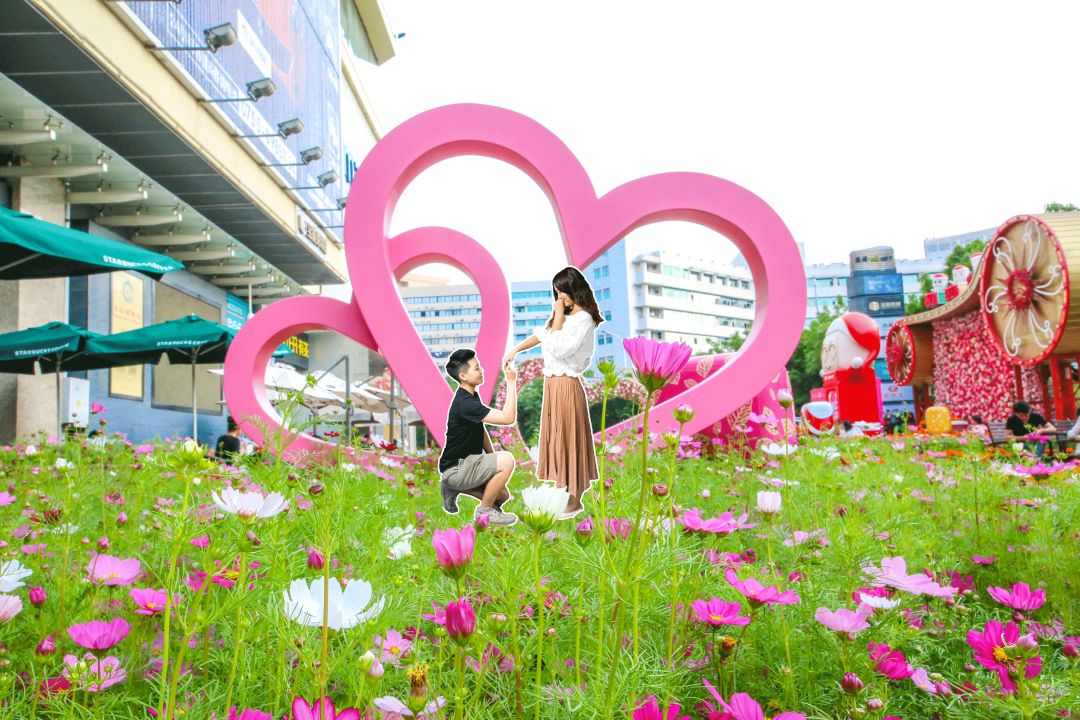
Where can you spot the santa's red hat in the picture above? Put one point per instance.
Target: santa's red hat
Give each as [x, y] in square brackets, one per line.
[864, 331]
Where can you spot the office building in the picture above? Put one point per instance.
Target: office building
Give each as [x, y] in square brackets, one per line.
[218, 133]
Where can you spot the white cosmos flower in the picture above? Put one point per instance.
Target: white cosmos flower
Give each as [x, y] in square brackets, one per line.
[11, 575]
[768, 502]
[543, 506]
[399, 540]
[249, 505]
[344, 610]
[779, 448]
[878, 603]
[30, 450]
[10, 606]
[62, 464]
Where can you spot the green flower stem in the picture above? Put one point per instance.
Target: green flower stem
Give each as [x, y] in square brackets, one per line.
[675, 575]
[540, 625]
[577, 628]
[179, 664]
[459, 694]
[237, 629]
[178, 534]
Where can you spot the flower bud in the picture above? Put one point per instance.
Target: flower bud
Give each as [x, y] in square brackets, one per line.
[121, 518]
[1028, 642]
[377, 670]
[366, 661]
[482, 521]
[851, 683]
[103, 544]
[874, 704]
[37, 596]
[684, 413]
[1071, 650]
[316, 489]
[660, 490]
[418, 689]
[785, 399]
[46, 647]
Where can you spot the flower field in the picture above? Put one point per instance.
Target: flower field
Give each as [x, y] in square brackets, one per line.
[883, 578]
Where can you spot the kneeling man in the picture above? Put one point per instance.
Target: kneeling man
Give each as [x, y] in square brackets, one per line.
[469, 463]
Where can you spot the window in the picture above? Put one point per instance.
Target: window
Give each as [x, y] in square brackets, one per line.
[657, 335]
[656, 312]
[607, 314]
[596, 273]
[605, 269]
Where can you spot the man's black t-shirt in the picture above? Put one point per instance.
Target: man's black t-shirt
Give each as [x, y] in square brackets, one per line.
[464, 429]
[228, 447]
[1017, 426]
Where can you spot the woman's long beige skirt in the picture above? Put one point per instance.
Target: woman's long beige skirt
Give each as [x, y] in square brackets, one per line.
[567, 453]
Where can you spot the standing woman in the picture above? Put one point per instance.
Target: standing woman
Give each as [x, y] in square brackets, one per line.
[567, 453]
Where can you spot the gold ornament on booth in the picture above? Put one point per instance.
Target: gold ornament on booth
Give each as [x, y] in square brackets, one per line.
[938, 420]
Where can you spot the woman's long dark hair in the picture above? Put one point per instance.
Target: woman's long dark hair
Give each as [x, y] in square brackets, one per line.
[573, 283]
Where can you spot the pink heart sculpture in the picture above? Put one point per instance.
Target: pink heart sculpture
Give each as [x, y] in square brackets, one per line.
[249, 354]
[589, 225]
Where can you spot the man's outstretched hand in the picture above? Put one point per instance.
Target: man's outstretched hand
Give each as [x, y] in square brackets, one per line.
[511, 372]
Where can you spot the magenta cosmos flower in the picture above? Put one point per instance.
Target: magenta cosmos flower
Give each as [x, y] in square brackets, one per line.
[454, 549]
[998, 648]
[843, 621]
[249, 714]
[716, 612]
[98, 635]
[890, 663]
[742, 707]
[757, 594]
[650, 709]
[460, 621]
[148, 601]
[656, 362]
[1020, 598]
[108, 570]
[321, 710]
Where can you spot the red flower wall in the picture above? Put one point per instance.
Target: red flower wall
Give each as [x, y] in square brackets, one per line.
[971, 376]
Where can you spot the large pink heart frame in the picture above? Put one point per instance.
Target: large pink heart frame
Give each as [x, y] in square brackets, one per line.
[589, 226]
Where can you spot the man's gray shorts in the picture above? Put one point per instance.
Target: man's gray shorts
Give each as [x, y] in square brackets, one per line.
[471, 472]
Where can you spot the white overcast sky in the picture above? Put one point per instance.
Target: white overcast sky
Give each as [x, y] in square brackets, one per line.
[860, 123]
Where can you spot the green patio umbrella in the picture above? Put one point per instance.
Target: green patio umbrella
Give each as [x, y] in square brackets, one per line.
[32, 248]
[52, 347]
[189, 339]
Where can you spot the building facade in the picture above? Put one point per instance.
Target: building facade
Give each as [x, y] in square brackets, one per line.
[216, 133]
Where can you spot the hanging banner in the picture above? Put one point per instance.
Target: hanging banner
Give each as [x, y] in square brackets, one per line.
[126, 314]
[236, 312]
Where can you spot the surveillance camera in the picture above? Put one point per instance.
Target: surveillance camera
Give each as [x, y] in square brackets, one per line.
[261, 88]
[341, 202]
[219, 36]
[291, 127]
[328, 178]
[311, 155]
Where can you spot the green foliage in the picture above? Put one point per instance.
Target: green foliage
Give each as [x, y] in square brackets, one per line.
[1060, 207]
[728, 344]
[530, 399]
[804, 368]
[618, 409]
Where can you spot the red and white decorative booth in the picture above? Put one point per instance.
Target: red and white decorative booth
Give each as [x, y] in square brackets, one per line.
[1012, 333]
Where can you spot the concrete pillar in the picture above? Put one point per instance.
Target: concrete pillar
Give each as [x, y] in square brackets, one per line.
[28, 402]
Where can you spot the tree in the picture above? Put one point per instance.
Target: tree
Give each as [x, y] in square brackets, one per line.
[804, 367]
[728, 344]
[1060, 207]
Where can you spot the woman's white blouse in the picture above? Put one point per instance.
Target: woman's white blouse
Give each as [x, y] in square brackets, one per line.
[568, 351]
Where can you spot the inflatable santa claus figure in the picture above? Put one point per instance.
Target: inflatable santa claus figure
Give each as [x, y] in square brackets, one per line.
[852, 342]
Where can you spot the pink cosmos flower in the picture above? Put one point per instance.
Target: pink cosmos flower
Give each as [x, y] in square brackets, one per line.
[618, 528]
[99, 635]
[108, 570]
[893, 573]
[890, 663]
[650, 709]
[923, 682]
[454, 549]
[998, 648]
[321, 710]
[716, 612]
[843, 620]
[149, 601]
[656, 363]
[390, 708]
[6, 498]
[757, 594]
[741, 707]
[460, 621]
[1021, 597]
[394, 647]
[438, 617]
[724, 524]
[10, 606]
[249, 714]
[91, 674]
[981, 560]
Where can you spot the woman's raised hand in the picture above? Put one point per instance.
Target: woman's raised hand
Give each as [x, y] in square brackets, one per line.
[508, 358]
